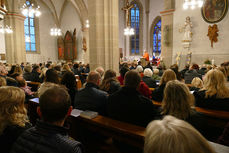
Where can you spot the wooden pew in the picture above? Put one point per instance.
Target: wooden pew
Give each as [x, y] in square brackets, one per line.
[34, 85]
[123, 132]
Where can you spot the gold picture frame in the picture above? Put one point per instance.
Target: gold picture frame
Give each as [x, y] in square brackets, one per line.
[214, 11]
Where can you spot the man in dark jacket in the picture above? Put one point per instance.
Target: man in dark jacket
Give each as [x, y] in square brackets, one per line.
[49, 135]
[191, 74]
[91, 98]
[128, 105]
[35, 74]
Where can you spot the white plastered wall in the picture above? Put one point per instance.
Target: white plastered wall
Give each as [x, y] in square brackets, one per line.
[201, 47]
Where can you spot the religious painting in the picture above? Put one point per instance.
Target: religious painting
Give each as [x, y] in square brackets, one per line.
[214, 11]
[68, 49]
[60, 44]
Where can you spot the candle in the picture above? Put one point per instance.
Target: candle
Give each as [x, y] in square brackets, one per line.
[213, 61]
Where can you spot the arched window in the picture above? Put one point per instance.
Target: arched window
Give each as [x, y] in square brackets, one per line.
[135, 23]
[30, 32]
[156, 37]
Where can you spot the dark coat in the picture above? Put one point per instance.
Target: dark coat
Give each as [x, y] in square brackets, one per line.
[211, 102]
[10, 135]
[158, 93]
[190, 74]
[35, 77]
[91, 98]
[128, 105]
[46, 138]
[27, 76]
[149, 81]
[197, 120]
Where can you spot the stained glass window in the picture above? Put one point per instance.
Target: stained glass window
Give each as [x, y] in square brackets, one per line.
[157, 38]
[29, 27]
[135, 23]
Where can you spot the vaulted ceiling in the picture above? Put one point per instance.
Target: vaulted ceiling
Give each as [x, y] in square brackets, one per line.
[57, 7]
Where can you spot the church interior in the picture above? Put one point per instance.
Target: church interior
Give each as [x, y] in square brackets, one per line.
[134, 72]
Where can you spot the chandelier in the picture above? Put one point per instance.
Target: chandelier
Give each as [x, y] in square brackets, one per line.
[30, 10]
[55, 32]
[128, 31]
[192, 4]
[6, 29]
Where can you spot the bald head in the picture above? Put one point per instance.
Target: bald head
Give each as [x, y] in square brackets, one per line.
[94, 77]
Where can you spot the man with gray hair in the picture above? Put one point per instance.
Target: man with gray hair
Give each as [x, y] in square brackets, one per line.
[91, 98]
[129, 105]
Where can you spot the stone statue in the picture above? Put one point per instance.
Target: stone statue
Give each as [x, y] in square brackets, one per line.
[187, 30]
[127, 11]
[213, 34]
[84, 44]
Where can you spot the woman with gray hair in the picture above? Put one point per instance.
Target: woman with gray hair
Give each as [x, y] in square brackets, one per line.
[172, 135]
[148, 78]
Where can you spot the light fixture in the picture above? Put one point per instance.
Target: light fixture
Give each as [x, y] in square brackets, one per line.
[30, 10]
[87, 25]
[128, 31]
[7, 29]
[55, 32]
[192, 4]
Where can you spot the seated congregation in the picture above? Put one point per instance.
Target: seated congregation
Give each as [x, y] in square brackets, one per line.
[163, 101]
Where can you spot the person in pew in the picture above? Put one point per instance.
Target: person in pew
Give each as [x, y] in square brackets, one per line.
[27, 73]
[13, 116]
[172, 135]
[147, 78]
[51, 77]
[192, 73]
[100, 70]
[69, 81]
[178, 101]
[2, 81]
[28, 93]
[49, 135]
[129, 105]
[196, 84]
[35, 77]
[158, 93]
[91, 97]
[122, 72]
[110, 84]
[215, 94]
[9, 80]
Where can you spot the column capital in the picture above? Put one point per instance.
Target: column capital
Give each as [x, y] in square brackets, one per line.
[16, 15]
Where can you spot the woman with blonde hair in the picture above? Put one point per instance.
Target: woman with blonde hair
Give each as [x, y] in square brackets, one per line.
[215, 94]
[167, 76]
[196, 84]
[178, 102]
[13, 116]
[172, 135]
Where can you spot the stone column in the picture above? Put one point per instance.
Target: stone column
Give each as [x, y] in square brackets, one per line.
[167, 31]
[104, 33]
[147, 5]
[15, 42]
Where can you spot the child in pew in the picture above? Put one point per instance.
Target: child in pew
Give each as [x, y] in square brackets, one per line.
[23, 85]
